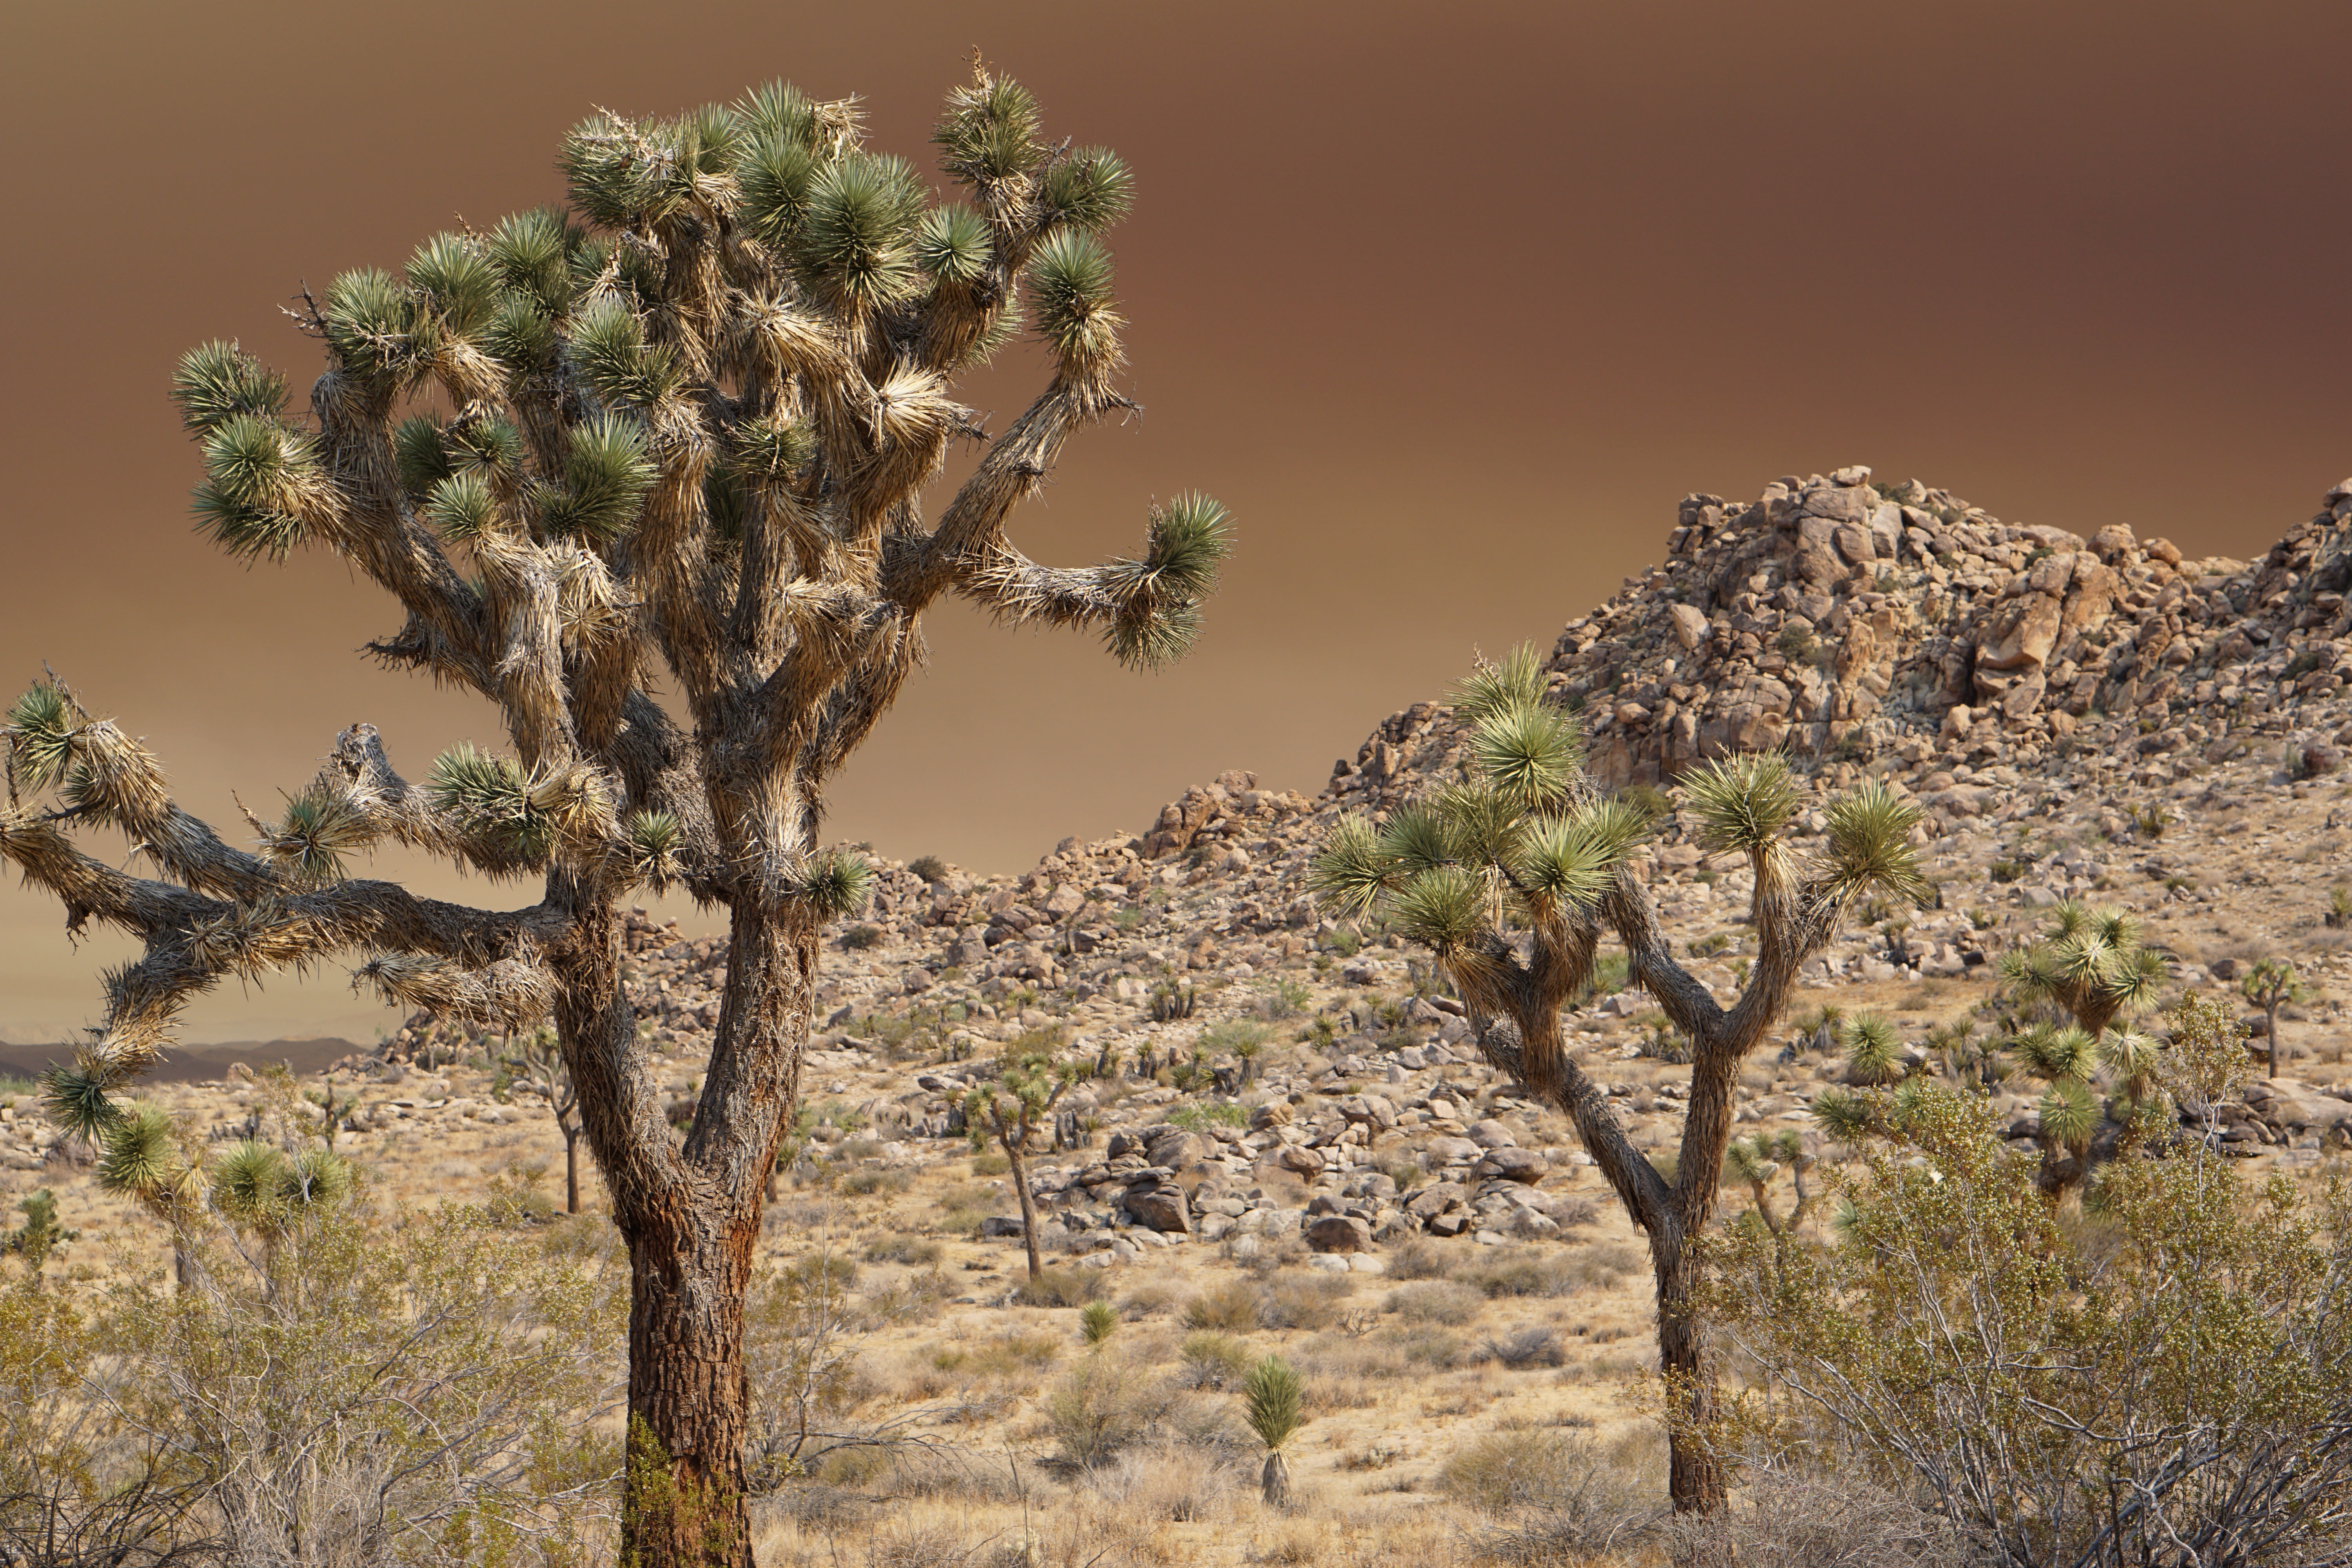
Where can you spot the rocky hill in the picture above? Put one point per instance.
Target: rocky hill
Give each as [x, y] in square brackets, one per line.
[2057, 703]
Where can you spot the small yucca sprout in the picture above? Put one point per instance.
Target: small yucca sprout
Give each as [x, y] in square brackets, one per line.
[418, 454]
[462, 507]
[1098, 1322]
[953, 245]
[1271, 1398]
[856, 235]
[1869, 843]
[610, 351]
[653, 847]
[138, 1155]
[371, 323]
[1070, 278]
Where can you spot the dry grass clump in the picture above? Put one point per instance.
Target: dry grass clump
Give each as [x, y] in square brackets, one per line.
[1230, 1307]
[1213, 1360]
[1436, 1301]
[1309, 1301]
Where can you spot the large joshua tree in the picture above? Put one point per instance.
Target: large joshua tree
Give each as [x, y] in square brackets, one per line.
[684, 427]
[1510, 876]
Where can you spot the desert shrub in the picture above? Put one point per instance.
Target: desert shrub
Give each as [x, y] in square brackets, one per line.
[865, 1184]
[1419, 1258]
[2176, 1394]
[1005, 1355]
[365, 1385]
[927, 867]
[911, 1250]
[1502, 1472]
[1812, 1518]
[1167, 1479]
[1149, 1298]
[861, 937]
[990, 1163]
[1436, 1350]
[1308, 1302]
[799, 1324]
[1501, 1271]
[1201, 1118]
[1062, 1288]
[1436, 1301]
[1213, 1360]
[1095, 1410]
[1536, 1345]
[1230, 1308]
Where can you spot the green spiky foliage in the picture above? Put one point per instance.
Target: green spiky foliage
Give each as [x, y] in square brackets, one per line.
[2270, 986]
[1873, 1051]
[1273, 1402]
[1510, 874]
[1098, 1322]
[2095, 965]
[1009, 1107]
[40, 1236]
[652, 474]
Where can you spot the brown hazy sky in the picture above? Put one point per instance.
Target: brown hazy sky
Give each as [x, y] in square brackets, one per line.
[1449, 304]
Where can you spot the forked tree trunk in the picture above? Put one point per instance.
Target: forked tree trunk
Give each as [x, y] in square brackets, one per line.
[571, 1169]
[690, 1215]
[1695, 1480]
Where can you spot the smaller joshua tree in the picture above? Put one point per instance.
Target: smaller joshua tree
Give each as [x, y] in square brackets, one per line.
[543, 1068]
[2092, 963]
[1757, 1160]
[1873, 1051]
[40, 1234]
[1273, 1399]
[1019, 1100]
[1509, 875]
[2271, 985]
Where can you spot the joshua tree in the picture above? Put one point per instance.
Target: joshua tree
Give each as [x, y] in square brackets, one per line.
[683, 430]
[1755, 1160]
[1509, 878]
[543, 1068]
[2271, 985]
[40, 1234]
[1272, 1397]
[1008, 1109]
[2091, 962]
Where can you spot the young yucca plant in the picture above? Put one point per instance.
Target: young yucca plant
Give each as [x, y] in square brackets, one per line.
[1511, 877]
[1873, 1051]
[1272, 1401]
[1098, 1322]
[678, 436]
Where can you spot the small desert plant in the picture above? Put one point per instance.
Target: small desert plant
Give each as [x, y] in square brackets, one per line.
[1536, 1346]
[40, 1236]
[1873, 1050]
[1436, 1301]
[2339, 907]
[927, 868]
[1094, 1411]
[1213, 1360]
[1271, 1400]
[1230, 1307]
[1309, 1302]
[1097, 1323]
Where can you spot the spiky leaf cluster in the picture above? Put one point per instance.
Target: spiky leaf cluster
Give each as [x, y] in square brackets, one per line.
[2094, 963]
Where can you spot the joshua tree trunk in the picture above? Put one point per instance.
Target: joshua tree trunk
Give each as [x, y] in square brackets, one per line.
[1274, 1481]
[1028, 1201]
[683, 431]
[570, 1166]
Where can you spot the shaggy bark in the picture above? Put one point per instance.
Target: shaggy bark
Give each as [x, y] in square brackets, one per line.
[694, 420]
